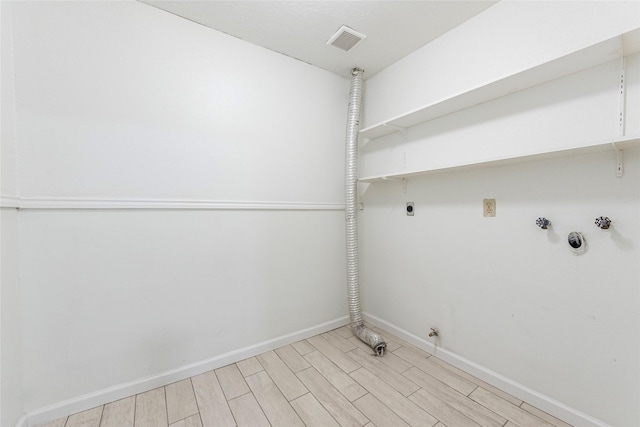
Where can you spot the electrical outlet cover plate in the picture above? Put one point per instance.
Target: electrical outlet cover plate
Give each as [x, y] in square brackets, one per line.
[489, 207]
[409, 208]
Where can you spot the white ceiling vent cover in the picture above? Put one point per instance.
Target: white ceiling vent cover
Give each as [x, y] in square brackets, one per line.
[345, 38]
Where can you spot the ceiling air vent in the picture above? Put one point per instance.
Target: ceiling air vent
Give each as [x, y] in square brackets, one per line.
[345, 38]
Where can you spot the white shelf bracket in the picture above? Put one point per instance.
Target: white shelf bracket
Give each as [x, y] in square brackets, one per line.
[402, 130]
[619, 160]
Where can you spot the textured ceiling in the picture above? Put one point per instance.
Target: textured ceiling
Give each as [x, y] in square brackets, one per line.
[300, 29]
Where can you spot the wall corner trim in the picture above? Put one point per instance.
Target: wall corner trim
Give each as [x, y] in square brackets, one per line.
[120, 391]
[539, 400]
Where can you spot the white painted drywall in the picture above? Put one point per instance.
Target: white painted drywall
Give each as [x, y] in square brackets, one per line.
[119, 100]
[11, 401]
[504, 293]
[11, 397]
[8, 179]
[112, 297]
[632, 95]
[508, 295]
[509, 37]
[140, 103]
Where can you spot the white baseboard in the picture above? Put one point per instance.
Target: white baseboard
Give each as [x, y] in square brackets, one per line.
[121, 391]
[534, 398]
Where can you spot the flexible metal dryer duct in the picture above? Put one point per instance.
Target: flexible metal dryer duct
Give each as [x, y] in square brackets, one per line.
[375, 341]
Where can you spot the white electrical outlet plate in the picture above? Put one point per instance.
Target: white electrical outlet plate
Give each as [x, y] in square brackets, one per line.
[489, 207]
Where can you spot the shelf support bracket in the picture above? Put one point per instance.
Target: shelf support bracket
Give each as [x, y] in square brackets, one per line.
[402, 130]
[621, 118]
[622, 99]
[619, 160]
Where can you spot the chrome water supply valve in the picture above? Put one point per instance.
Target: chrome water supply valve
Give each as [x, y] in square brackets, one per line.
[543, 223]
[603, 222]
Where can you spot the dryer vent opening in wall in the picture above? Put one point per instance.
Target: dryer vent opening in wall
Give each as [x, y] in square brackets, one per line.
[345, 38]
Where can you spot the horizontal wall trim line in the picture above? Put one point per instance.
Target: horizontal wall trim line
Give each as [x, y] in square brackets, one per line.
[165, 204]
[9, 202]
[121, 391]
[539, 400]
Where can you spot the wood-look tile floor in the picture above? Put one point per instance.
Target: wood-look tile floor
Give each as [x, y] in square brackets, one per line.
[327, 380]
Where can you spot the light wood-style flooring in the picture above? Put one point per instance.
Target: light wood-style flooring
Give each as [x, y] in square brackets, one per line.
[324, 381]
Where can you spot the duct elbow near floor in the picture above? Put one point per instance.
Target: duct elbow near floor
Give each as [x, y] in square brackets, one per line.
[374, 340]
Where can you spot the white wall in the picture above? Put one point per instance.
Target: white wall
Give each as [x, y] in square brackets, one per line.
[8, 178]
[505, 294]
[11, 397]
[11, 402]
[112, 297]
[140, 103]
[121, 101]
[508, 295]
[508, 38]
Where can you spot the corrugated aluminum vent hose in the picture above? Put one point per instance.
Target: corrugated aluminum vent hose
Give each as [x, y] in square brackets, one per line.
[374, 340]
